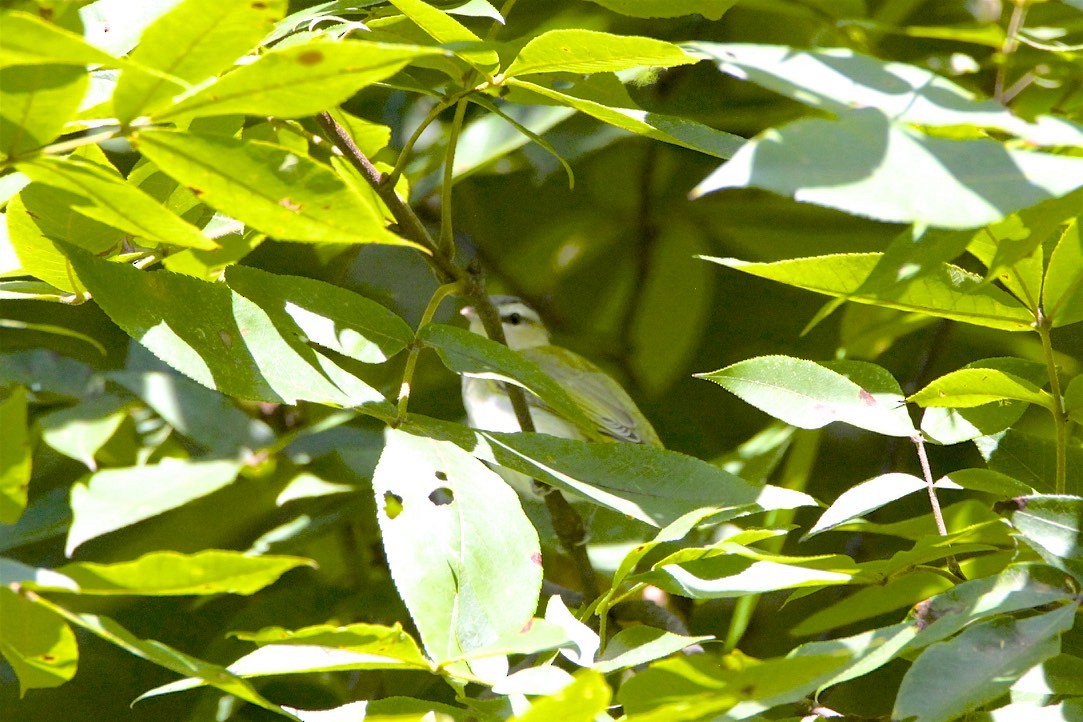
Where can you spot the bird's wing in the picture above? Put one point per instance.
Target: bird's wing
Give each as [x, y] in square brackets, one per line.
[601, 398]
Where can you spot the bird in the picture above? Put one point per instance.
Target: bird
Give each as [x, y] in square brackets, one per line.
[604, 402]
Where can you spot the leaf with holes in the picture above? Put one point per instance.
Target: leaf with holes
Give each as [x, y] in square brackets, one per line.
[463, 555]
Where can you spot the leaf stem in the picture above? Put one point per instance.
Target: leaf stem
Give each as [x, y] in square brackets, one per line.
[938, 515]
[1011, 42]
[447, 233]
[392, 178]
[415, 349]
[1044, 326]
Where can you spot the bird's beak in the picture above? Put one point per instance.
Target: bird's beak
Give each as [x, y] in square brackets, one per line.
[468, 312]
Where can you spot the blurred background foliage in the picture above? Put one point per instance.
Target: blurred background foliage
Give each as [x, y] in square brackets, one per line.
[610, 264]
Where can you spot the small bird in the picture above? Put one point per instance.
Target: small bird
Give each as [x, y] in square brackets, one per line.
[602, 399]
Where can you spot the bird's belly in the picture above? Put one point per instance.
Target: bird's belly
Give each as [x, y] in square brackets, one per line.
[488, 408]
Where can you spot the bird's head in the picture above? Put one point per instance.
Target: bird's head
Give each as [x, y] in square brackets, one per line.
[522, 325]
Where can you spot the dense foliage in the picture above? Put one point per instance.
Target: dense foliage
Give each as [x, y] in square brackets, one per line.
[235, 481]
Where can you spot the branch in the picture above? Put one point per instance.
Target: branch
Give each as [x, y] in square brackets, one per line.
[566, 520]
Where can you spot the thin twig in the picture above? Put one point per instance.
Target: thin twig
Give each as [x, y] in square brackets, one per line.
[1060, 418]
[938, 515]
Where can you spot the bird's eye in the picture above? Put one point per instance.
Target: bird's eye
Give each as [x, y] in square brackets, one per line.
[514, 319]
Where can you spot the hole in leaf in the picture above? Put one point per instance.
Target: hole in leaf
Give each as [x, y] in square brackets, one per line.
[442, 496]
[392, 504]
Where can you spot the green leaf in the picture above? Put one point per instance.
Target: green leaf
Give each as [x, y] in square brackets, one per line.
[297, 80]
[209, 419]
[317, 649]
[1073, 399]
[1019, 587]
[269, 187]
[448, 31]
[108, 198]
[49, 214]
[731, 570]
[667, 128]
[165, 656]
[897, 592]
[810, 396]
[112, 499]
[986, 480]
[639, 645]
[839, 79]
[390, 642]
[1030, 458]
[216, 336]
[36, 102]
[652, 485]
[952, 678]
[80, 431]
[506, 128]
[589, 51]
[213, 571]
[456, 539]
[324, 314]
[710, 9]
[15, 455]
[949, 293]
[871, 650]
[193, 41]
[584, 700]
[971, 387]
[664, 319]
[469, 353]
[1060, 675]
[953, 425]
[30, 40]
[865, 497]
[867, 164]
[1053, 525]
[698, 687]
[1062, 291]
[40, 648]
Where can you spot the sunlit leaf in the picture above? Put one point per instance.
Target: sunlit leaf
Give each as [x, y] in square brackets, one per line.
[710, 9]
[840, 79]
[213, 571]
[867, 164]
[456, 538]
[35, 103]
[667, 128]
[15, 454]
[109, 199]
[269, 187]
[809, 395]
[112, 499]
[589, 51]
[39, 646]
[581, 701]
[191, 42]
[1062, 292]
[297, 80]
[215, 336]
[979, 386]
[30, 40]
[979, 665]
[949, 293]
